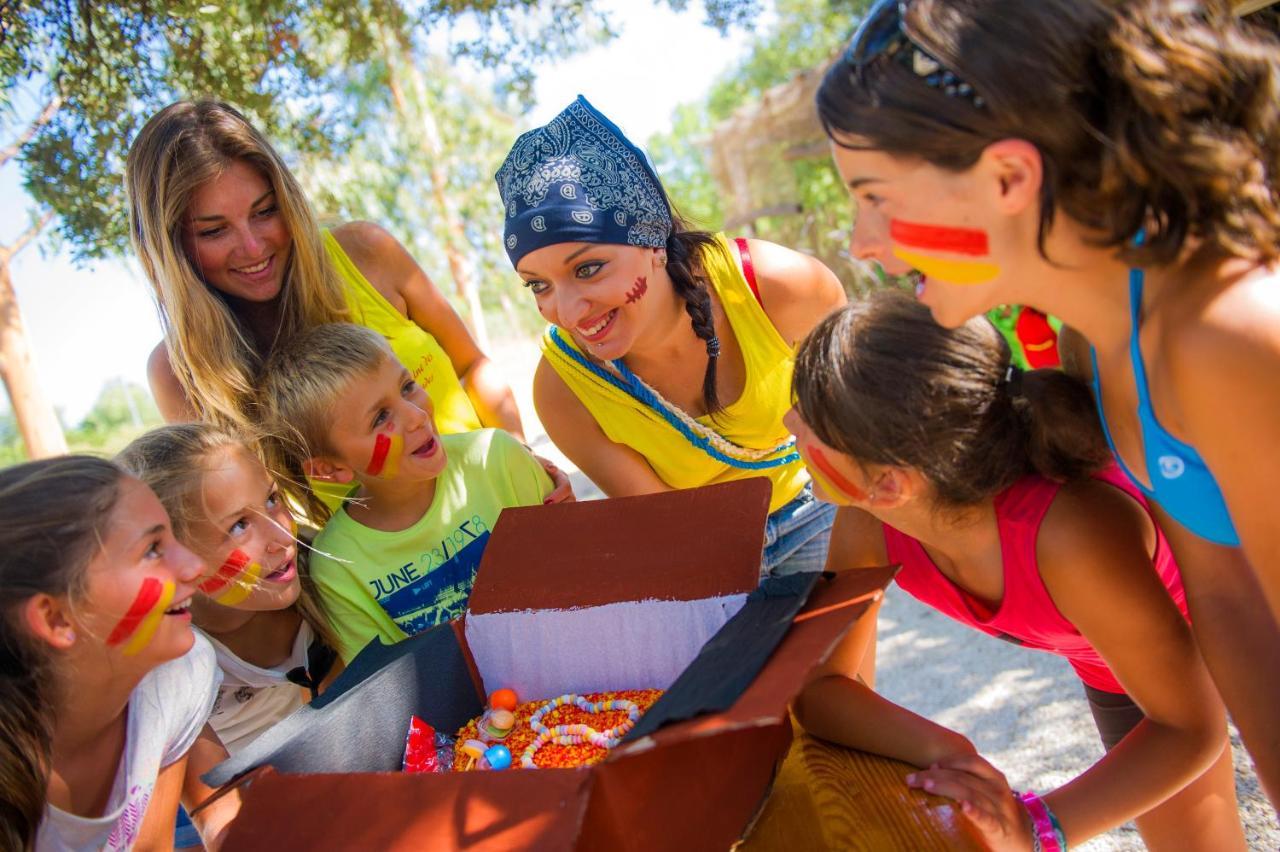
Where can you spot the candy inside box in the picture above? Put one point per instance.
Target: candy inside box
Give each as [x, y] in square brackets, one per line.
[633, 593]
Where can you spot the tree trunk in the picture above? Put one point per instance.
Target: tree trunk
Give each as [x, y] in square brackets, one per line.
[37, 422]
[461, 269]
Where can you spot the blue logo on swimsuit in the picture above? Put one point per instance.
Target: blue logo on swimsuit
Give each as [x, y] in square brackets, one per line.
[1171, 467]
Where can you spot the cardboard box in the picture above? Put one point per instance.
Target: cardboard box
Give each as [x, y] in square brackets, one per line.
[630, 593]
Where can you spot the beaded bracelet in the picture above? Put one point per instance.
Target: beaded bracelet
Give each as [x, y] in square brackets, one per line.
[1046, 832]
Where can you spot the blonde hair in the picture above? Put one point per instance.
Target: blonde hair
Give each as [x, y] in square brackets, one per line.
[302, 385]
[182, 147]
[173, 460]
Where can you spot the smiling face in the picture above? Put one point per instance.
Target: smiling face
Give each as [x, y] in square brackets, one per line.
[235, 235]
[602, 294]
[913, 215]
[385, 428]
[245, 535]
[139, 585]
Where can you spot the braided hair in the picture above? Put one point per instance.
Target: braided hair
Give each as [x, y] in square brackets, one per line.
[686, 249]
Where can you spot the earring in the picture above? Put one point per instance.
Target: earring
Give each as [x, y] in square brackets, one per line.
[71, 635]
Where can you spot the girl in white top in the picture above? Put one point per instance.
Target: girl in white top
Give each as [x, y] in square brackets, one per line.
[104, 688]
[226, 507]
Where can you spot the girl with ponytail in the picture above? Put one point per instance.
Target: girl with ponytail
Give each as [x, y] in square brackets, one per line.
[104, 690]
[995, 492]
[668, 360]
[1113, 164]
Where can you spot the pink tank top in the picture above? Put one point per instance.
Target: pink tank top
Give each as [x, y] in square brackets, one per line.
[1027, 615]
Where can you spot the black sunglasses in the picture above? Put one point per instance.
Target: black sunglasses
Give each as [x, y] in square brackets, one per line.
[883, 32]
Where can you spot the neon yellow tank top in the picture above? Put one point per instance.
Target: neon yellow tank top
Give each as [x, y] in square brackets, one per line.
[753, 420]
[420, 353]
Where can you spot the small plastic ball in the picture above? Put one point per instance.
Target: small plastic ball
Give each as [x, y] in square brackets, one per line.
[498, 757]
[503, 699]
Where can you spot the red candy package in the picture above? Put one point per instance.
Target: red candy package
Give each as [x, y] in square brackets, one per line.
[425, 750]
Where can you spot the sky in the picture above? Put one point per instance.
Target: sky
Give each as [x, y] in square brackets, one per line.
[91, 325]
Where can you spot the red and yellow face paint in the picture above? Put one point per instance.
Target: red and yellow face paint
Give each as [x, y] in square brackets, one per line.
[837, 486]
[235, 580]
[912, 239]
[387, 449]
[142, 620]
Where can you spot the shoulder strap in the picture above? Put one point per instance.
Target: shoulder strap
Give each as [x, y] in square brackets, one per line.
[748, 270]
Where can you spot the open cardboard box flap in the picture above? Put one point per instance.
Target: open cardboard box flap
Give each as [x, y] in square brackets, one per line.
[634, 592]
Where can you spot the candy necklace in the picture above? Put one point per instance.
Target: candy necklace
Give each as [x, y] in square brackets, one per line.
[576, 734]
[701, 436]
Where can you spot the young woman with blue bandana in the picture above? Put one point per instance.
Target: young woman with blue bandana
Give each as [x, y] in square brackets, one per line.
[668, 360]
[1114, 165]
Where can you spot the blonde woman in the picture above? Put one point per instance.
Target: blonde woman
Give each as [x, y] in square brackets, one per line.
[238, 264]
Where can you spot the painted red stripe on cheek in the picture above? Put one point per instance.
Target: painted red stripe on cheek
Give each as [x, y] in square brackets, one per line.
[228, 571]
[939, 238]
[147, 597]
[381, 448]
[829, 471]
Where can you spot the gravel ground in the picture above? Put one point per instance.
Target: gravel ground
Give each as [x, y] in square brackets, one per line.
[1025, 711]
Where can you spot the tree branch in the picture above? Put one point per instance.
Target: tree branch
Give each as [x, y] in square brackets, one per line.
[28, 235]
[46, 115]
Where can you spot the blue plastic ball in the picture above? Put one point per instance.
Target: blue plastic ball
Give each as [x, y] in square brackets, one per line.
[498, 757]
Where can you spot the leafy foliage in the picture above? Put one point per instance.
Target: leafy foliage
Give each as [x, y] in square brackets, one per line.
[111, 64]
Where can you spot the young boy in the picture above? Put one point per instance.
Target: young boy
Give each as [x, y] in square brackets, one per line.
[401, 554]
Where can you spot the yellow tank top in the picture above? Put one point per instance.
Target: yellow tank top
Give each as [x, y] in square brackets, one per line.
[754, 420]
[420, 353]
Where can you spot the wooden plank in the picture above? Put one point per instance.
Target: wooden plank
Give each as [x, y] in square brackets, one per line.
[827, 797]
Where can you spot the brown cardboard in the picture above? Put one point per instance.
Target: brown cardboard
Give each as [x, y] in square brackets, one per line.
[691, 785]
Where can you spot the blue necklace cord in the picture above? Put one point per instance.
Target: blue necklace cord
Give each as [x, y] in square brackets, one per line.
[630, 384]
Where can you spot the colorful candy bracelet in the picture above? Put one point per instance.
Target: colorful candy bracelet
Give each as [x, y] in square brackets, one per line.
[577, 734]
[1047, 834]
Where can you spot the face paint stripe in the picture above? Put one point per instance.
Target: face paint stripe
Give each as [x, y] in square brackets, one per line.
[151, 622]
[236, 562]
[242, 587]
[386, 454]
[939, 238]
[151, 591]
[949, 271]
[829, 471]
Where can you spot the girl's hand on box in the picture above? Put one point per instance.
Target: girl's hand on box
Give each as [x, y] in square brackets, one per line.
[563, 490]
[984, 796]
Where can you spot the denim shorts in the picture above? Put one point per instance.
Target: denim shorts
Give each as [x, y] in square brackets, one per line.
[797, 535]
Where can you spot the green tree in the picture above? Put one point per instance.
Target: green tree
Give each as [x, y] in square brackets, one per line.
[95, 71]
[817, 217]
[122, 411]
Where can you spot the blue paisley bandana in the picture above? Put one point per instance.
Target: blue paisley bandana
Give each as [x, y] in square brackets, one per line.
[579, 179]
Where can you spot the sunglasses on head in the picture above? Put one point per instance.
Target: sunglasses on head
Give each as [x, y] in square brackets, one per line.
[883, 32]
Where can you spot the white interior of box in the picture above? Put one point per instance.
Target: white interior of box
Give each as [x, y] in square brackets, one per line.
[627, 645]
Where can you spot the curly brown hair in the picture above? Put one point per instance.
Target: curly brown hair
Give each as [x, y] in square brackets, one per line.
[1161, 115]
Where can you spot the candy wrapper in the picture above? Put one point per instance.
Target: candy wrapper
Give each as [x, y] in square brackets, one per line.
[425, 749]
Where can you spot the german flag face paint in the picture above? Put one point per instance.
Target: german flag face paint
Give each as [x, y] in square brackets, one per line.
[235, 580]
[915, 243]
[837, 486]
[387, 449]
[142, 620]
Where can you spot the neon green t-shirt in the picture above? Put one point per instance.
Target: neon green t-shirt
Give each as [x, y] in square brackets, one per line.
[394, 584]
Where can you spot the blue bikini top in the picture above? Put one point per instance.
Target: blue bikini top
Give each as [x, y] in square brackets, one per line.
[1181, 482]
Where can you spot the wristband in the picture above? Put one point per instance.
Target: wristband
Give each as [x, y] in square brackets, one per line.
[1047, 833]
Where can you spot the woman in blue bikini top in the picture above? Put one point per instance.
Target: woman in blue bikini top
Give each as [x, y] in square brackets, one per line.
[1013, 153]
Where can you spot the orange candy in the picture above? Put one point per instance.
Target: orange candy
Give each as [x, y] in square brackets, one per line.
[503, 699]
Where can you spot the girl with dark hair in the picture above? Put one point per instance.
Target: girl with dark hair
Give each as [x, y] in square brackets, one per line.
[995, 492]
[1113, 164]
[104, 690]
[668, 361]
